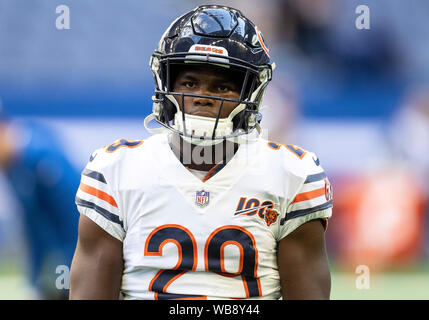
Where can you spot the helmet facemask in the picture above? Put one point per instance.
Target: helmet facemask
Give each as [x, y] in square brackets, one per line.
[243, 119]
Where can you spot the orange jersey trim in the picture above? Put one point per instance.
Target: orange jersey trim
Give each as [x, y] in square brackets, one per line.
[309, 195]
[98, 193]
[210, 172]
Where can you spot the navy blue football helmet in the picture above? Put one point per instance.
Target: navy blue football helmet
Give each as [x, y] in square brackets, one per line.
[218, 36]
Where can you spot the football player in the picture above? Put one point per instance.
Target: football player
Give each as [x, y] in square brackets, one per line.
[205, 208]
[43, 181]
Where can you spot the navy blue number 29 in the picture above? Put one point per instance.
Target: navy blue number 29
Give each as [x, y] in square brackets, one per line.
[187, 248]
[243, 239]
[213, 256]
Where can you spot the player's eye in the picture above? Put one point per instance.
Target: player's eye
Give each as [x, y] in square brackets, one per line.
[224, 88]
[189, 84]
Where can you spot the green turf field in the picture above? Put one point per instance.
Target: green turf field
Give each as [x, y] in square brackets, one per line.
[411, 284]
[384, 286]
[13, 285]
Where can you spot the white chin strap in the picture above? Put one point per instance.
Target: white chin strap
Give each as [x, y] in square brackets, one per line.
[240, 139]
[199, 126]
[202, 127]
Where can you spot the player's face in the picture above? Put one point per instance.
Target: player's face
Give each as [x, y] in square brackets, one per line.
[209, 81]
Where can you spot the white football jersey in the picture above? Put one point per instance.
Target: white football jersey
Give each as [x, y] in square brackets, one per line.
[188, 239]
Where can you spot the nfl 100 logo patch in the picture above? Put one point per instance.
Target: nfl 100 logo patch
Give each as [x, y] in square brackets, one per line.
[202, 198]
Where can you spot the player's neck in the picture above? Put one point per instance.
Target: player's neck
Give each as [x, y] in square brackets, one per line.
[202, 158]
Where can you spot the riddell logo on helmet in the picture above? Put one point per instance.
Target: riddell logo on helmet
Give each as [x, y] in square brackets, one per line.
[207, 48]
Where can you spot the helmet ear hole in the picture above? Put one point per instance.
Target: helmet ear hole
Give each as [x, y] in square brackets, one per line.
[238, 121]
[168, 110]
[249, 86]
[171, 71]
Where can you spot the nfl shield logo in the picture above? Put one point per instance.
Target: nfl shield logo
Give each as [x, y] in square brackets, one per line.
[202, 198]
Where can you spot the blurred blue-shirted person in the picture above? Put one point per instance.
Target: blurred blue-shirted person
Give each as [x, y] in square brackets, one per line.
[44, 182]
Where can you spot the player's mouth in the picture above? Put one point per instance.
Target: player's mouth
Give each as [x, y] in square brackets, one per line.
[204, 114]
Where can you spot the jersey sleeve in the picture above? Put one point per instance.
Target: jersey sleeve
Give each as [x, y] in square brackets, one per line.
[312, 199]
[96, 197]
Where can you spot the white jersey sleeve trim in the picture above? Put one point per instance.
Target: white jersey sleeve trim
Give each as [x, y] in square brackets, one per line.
[96, 200]
[101, 220]
[292, 224]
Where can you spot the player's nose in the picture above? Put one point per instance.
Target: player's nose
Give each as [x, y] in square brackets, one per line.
[203, 100]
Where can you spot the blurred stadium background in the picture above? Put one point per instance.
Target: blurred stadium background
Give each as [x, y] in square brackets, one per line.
[357, 98]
